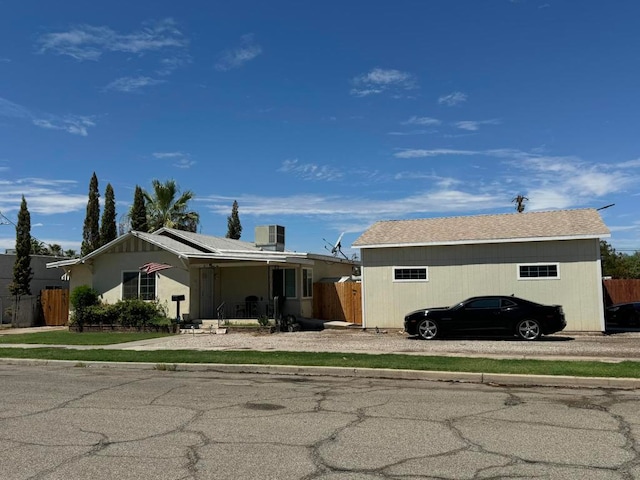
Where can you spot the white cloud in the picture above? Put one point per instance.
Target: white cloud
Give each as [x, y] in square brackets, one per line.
[170, 64]
[444, 182]
[310, 171]
[474, 125]
[412, 132]
[380, 80]
[74, 124]
[335, 206]
[548, 181]
[628, 164]
[184, 163]
[420, 153]
[237, 57]
[452, 99]
[422, 121]
[132, 84]
[169, 154]
[87, 42]
[182, 160]
[44, 196]
[13, 110]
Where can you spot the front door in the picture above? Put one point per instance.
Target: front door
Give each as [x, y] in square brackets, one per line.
[277, 290]
[207, 300]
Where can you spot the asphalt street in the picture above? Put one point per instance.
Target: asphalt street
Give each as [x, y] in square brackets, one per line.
[76, 422]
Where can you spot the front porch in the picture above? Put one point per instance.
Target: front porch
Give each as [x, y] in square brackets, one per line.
[247, 291]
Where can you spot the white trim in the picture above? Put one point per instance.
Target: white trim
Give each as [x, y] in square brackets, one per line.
[302, 295]
[140, 273]
[412, 267]
[489, 240]
[538, 264]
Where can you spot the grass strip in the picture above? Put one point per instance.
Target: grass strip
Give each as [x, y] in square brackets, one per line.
[65, 337]
[351, 360]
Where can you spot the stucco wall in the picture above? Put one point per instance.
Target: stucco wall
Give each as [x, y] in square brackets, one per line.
[458, 272]
[108, 283]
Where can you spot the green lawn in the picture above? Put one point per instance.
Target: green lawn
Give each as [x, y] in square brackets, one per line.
[393, 361]
[65, 337]
[351, 360]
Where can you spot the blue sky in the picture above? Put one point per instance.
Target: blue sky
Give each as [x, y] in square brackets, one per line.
[323, 117]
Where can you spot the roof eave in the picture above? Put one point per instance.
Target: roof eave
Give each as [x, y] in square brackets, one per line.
[485, 241]
[64, 263]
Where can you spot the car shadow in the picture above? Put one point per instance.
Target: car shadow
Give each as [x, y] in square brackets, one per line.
[612, 329]
[543, 339]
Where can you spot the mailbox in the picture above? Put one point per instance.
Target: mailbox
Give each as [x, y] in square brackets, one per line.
[177, 299]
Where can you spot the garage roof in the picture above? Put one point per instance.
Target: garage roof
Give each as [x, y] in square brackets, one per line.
[511, 227]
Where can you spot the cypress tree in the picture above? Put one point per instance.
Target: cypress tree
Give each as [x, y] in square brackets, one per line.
[138, 213]
[91, 229]
[234, 229]
[22, 272]
[108, 229]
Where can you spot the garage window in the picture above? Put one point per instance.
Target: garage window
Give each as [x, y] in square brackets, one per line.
[538, 271]
[410, 274]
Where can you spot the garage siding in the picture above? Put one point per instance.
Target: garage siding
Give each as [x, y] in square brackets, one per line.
[460, 271]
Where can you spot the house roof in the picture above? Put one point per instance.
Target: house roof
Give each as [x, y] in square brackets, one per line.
[207, 242]
[511, 227]
[188, 245]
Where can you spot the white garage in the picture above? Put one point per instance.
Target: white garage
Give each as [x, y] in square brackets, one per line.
[547, 257]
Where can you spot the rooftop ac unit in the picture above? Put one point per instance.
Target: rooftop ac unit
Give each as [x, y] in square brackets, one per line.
[270, 237]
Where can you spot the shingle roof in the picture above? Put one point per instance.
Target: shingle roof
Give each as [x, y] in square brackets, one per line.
[529, 226]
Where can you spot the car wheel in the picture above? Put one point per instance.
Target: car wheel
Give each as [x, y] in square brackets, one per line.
[529, 330]
[428, 329]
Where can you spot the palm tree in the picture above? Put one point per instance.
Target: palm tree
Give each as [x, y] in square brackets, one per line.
[55, 250]
[519, 201]
[165, 210]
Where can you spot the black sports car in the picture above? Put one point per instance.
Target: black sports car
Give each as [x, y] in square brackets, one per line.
[623, 314]
[487, 315]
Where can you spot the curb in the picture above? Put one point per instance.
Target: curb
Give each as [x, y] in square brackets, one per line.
[344, 372]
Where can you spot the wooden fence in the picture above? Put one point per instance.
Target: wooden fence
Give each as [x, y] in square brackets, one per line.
[55, 307]
[621, 291]
[338, 301]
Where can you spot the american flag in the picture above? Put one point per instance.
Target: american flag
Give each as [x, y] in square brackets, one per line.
[153, 267]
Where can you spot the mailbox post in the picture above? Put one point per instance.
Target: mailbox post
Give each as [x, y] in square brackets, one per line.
[177, 299]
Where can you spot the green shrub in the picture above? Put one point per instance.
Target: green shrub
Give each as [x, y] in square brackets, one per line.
[83, 299]
[84, 296]
[137, 313]
[100, 315]
[263, 320]
[132, 313]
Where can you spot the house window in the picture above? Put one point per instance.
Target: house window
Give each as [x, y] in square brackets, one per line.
[529, 271]
[138, 285]
[307, 283]
[410, 274]
[290, 283]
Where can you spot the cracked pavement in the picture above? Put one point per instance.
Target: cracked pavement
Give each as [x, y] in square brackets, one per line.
[66, 422]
